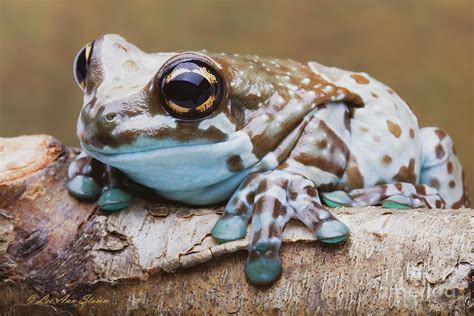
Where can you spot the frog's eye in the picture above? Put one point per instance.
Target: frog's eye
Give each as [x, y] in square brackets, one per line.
[190, 89]
[81, 64]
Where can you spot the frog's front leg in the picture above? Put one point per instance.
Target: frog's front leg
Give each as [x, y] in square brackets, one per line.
[271, 199]
[90, 179]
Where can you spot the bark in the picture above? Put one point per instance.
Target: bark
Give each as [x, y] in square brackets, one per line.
[158, 257]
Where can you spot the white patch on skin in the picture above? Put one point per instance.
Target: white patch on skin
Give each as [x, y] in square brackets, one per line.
[274, 191]
[268, 162]
[144, 122]
[305, 80]
[220, 121]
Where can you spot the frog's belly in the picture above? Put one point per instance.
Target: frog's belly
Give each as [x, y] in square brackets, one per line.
[196, 174]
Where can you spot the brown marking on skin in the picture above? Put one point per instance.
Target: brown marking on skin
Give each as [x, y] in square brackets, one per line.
[326, 187]
[459, 203]
[240, 208]
[434, 183]
[238, 113]
[326, 139]
[259, 204]
[452, 184]
[274, 230]
[438, 204]
[364, 129]
[464, 201]
[235, 163]
[118, 45]
[390, 91]
[360, 79]
[420, 189]
[375, 95]
[355, 179]
[450, 167]
[412, 133]
[399, 186]
[312, 192]
[406, 173]
[322, 144]
[387, 159]
[321, 163]
[439, 151]
[293, 195]
[263, 186]
[278, 209]
[250, 198]
[347, 120]
[394, 128]
[441, 135]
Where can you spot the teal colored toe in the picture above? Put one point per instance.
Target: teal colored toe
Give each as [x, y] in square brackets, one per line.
[330, 203]
[397, 202]
[229, 227]
[263, 246]
[394, 205]
[84, 188]
[263, 270]
[114, 200]
[332, 232]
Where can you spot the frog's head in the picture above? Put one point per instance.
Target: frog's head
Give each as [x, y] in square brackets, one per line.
[135, 101]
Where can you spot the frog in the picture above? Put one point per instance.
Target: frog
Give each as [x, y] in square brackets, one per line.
[272, 139]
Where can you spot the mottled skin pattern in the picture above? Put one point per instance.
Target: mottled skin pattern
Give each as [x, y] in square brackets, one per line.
[285, 138]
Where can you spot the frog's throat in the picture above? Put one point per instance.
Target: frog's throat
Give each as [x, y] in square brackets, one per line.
[179, 169]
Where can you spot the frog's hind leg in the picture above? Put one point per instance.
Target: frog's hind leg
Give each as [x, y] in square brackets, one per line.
[441, 168]
[441, 181]
[91, 180]
[393, 195]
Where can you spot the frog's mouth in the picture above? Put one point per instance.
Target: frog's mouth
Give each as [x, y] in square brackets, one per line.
[142, 145]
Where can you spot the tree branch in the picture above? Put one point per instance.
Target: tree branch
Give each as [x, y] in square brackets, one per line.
[158, 256]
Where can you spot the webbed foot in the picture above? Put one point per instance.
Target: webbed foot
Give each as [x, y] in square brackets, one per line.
[92, 180]
[394, 195]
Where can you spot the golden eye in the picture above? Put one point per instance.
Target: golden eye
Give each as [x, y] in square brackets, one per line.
[190, 90]
[81, 64]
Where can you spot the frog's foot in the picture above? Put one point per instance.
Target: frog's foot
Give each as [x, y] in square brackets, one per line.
[91, 180]
[271, 200]
[394, 195]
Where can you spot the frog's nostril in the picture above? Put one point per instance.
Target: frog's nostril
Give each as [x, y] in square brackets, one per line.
[110, 117]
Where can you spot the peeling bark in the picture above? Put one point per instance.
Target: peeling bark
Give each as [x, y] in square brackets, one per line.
[158, 256]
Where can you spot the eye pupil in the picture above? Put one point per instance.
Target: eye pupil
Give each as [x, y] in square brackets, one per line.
[81, 64]
[188, 90]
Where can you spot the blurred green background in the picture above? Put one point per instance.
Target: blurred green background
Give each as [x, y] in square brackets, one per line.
[424, 50]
